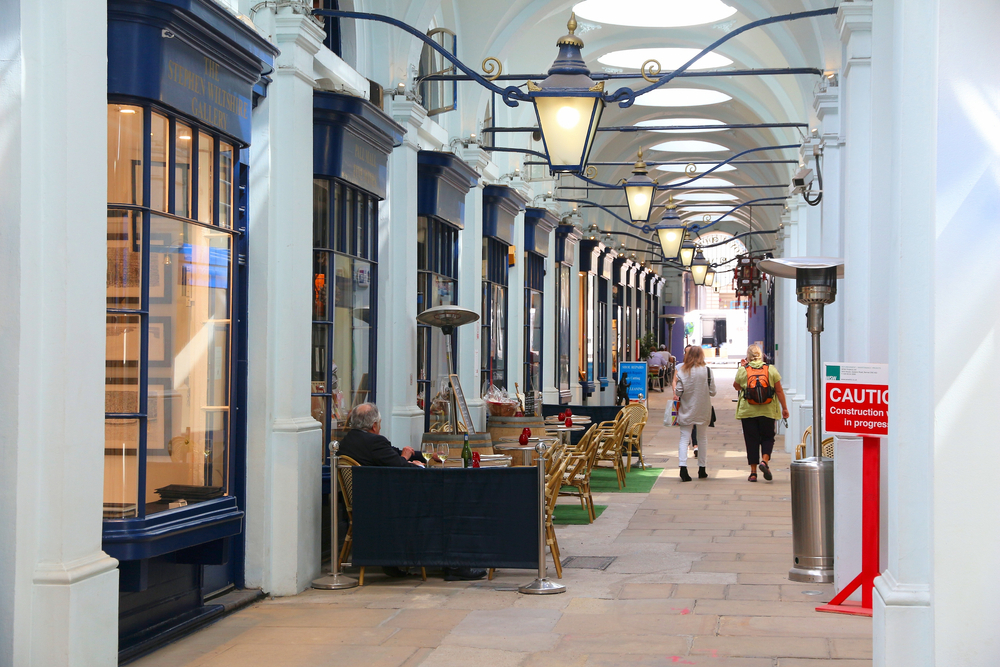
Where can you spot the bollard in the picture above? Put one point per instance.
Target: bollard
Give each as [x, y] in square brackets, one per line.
[541, 585]
[335, 580]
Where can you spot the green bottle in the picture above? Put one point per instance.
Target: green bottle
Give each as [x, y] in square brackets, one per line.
[466, 453]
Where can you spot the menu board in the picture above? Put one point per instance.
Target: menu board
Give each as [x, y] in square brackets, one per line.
[463, 407]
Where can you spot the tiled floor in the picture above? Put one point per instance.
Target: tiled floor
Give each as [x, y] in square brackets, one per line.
[700, 578]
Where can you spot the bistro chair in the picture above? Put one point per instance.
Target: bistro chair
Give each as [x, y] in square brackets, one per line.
[577, 476]
[826, 447]
[656, 377]
[345, 480]
[610, 449]
[554, 482]
[635, 422]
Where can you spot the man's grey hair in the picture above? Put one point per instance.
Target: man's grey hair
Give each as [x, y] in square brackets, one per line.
[663, 348]
[364, 416]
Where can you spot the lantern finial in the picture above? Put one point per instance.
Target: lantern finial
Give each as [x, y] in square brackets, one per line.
[571, 39]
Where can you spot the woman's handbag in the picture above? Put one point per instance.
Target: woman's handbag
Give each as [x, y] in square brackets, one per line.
[712, 423]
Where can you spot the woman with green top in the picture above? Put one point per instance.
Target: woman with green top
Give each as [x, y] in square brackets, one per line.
[759, 384]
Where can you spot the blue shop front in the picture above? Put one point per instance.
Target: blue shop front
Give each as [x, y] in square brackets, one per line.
[182, 79]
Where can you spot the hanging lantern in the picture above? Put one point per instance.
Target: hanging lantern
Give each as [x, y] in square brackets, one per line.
[568, 105]
[670, 231]
[639, 191]
[710, 277]
[687, 252]
[699, 268]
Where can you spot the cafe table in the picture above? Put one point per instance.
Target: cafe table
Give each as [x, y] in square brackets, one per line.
[521, 454]
[563, 432]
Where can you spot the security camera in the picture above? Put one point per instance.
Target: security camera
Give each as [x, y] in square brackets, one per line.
[801, 181]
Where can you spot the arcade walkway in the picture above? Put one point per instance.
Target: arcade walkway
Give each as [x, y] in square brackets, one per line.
[698, 578]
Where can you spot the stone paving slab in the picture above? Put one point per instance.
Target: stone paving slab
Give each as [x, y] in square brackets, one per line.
[700, 577]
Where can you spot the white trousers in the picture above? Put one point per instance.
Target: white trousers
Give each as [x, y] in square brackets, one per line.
[682, 447]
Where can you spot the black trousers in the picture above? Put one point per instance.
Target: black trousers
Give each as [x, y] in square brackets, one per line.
[758, 435]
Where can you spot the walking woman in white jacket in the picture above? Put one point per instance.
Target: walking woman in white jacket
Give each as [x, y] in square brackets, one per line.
[693, 391]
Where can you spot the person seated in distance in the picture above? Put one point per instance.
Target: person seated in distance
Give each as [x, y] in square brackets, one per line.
[365, 444]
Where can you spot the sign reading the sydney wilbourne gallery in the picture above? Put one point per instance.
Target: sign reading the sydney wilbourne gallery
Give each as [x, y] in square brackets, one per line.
[856, 398]
[197, 85]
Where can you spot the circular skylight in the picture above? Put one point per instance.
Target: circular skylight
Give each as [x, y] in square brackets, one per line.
[706, 209]
[670, 58]
[681, 167]
[706, 182]
[703, 196]
[689, 146]
[653, 13]
[680, 122]
[681, 97]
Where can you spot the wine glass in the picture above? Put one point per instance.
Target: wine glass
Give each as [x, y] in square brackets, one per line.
[443, 450]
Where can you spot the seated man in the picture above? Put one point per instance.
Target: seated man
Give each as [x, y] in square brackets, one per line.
[368, 447]
[364, 444]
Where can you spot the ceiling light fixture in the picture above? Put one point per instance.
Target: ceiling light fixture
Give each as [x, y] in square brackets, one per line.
[654, 13]
[670, 58]
[639, 191]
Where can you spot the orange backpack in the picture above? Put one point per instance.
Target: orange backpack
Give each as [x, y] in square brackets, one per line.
[759, 390]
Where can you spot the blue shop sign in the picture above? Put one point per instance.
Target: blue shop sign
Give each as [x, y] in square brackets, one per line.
[169, 51]
[634, 373]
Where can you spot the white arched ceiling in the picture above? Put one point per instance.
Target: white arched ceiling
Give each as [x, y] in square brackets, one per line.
[522, 35]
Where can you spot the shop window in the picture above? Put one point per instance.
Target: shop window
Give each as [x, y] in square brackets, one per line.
[602, 328]
[344, 302]
[533, 321]
[437, 285]
[169, 311]
[587, 323]
[563, 340]
[493, 336]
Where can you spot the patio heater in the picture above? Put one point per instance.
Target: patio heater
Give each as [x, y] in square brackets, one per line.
[812, 477]
[447, 318]
[671, 319]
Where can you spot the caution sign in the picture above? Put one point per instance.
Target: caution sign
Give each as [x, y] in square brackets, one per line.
[856, 398]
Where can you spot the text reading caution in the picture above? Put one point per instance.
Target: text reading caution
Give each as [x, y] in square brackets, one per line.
[856, 399]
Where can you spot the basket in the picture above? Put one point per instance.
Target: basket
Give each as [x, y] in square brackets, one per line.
[502, 409]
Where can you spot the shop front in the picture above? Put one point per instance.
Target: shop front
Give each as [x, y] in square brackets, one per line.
[567, 237]
[500, 207]
[352, 140]
[589, 365]
[181, 84]
[538, 226]
[605, 264]
[443, 180]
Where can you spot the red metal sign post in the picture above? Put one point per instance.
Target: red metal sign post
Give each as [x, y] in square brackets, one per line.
[857, 403]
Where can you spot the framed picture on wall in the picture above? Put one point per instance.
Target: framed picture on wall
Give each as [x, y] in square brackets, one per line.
[160, 406]
[160, 269]
[160, 349]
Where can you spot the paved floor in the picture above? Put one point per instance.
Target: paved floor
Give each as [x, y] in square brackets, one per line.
[699, 578]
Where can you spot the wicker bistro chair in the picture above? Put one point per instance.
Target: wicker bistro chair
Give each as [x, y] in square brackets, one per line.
[826, 447]
[576, 480]
[610, 448]
[553, 482]
[345, 480]
[635, 422]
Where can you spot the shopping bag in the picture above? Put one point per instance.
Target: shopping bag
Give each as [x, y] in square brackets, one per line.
[670, 414]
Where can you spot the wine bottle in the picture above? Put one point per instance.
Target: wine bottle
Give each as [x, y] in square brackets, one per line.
[466, 453]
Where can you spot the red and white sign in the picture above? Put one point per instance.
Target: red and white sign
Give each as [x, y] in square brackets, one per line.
[856, 399]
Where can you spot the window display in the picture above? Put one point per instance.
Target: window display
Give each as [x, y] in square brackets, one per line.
[437, 284]
[169, 303]
[343, 372]
[494, 317]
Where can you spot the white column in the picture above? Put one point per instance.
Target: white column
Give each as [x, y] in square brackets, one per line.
[550, 326]
[284, 448]
[59, 605]
[827, 106]
[470, 289]
[397, 301]
[515, 298]
[795, 360]
[906, 311]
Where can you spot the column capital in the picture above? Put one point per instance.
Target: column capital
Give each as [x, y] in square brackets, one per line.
[411, 116]
[826, 101]
[299, 38]
[478, 159]
[854, 23]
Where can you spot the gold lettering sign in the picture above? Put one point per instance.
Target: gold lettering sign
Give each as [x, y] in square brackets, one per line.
[210, 102]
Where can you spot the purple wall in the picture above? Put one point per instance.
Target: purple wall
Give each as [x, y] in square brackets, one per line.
[677, 345]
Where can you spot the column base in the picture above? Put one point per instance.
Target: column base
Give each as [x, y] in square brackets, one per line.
[295, 500]
[477, 408]
[902, 624]
[74, 614]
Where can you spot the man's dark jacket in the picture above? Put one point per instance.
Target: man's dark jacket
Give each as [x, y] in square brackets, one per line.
[370, 449]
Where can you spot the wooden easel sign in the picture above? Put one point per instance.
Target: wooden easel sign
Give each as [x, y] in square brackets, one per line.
[463, 407]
